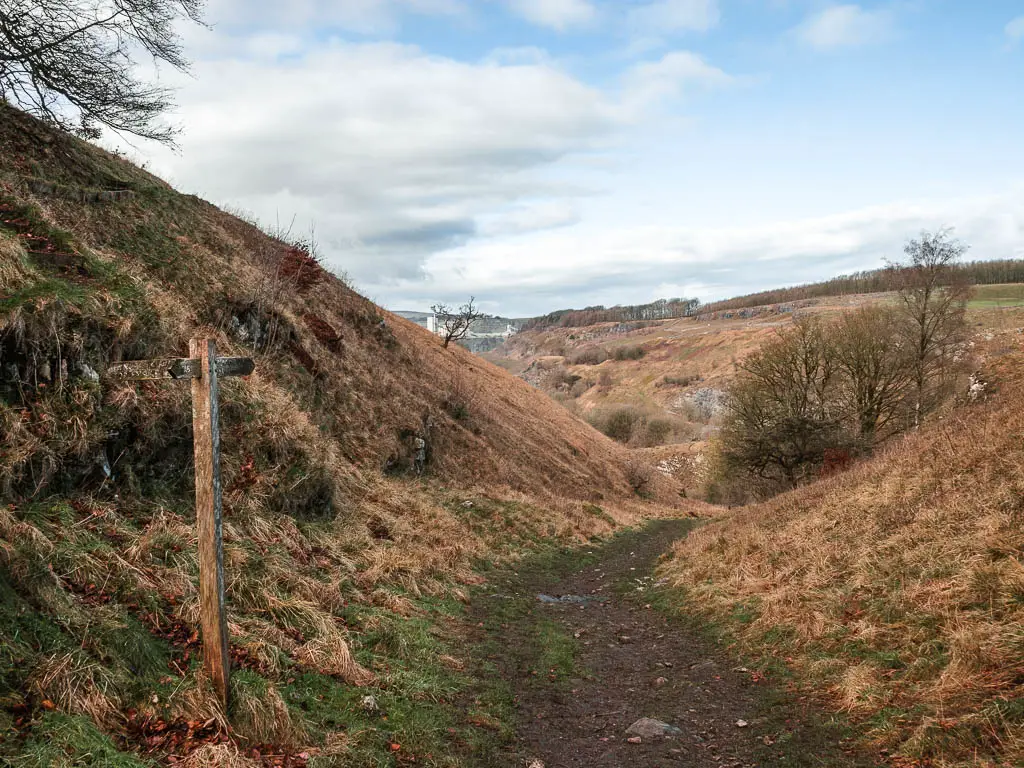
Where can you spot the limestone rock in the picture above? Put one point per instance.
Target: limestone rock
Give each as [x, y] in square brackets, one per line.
[649, 728]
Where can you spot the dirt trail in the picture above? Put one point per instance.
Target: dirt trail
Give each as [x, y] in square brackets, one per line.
[583, 672]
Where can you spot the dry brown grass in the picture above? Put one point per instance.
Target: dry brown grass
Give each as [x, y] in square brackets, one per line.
[13, 271]
[318, 514]
[218, 756]
[262, 717]
[898, 586]
[78, 686]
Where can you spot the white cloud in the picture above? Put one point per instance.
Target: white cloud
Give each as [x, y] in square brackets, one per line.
[845, 26]
[392, 152]
[1015, 30]
[649, 82]
[557, 14]
[528, 218]
[664, 17]
[571, 268]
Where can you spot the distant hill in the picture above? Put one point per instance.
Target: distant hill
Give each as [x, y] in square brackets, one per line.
[992, 272]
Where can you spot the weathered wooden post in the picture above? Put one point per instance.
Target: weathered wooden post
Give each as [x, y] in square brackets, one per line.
[203, 368]
[206, 448]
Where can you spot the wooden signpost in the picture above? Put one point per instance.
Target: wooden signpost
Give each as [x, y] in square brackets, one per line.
[202, 368]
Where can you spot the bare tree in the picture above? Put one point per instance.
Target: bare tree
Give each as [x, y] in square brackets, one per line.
[71, 62]
[877, 368]
[933, 297]
[781, 415]
[454, 324]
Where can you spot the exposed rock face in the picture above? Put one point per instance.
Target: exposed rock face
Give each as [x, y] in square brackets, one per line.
[708, 402]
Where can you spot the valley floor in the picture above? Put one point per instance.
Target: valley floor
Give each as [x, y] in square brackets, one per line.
[584, 645]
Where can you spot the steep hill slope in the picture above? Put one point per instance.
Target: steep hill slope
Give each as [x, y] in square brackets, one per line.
[331, 545]
[897, 587]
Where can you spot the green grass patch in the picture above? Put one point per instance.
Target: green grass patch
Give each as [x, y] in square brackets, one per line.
[556, 650]
[68, 741]
[996, 296]
[151, 244]
[426, 700]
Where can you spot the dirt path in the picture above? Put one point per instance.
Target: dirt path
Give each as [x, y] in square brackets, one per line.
[584, 668]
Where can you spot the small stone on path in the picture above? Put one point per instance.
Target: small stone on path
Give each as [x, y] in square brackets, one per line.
[649, 728]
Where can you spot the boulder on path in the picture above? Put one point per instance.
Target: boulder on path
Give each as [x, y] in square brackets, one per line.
[649, 728]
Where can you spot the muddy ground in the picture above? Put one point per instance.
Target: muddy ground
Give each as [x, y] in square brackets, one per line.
[587, 645]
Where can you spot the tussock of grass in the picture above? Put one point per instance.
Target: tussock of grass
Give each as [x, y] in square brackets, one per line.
[218, 756]
[900, 584]
[67, 741]
[260, 715]
[14, 271]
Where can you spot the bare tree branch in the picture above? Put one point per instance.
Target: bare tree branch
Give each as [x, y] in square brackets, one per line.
[70, 62]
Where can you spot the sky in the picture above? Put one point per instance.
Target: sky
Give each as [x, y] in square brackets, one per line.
[544, 154]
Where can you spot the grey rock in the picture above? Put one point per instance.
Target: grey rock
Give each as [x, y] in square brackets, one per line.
[88, 372]
[575, 599]
[649, 728]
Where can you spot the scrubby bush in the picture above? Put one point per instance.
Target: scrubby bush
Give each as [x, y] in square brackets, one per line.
[628, 353]
[559, 380]
[590, 356]
[657, 431]
[619, 424]
[679, 381]
[633, 425]
[580, 388]
[640, 476]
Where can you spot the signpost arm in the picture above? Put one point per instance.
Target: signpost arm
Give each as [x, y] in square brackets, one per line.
[206, 439]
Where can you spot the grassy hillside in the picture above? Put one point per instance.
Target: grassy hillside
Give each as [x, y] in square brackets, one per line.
[897, 587]
[342, 567]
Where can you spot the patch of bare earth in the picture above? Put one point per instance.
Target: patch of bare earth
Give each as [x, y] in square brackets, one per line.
[619, 659]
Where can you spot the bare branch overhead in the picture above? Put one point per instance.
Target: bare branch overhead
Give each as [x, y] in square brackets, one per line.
[71, 62]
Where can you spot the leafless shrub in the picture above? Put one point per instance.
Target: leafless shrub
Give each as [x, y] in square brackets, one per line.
[589, 356]
[634, 352]
[559, 379]
[455, 324]
[640, 476]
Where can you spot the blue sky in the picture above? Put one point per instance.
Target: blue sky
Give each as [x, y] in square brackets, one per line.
[540, 154]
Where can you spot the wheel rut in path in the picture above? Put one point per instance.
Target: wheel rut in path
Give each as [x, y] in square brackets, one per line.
[592, 656]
